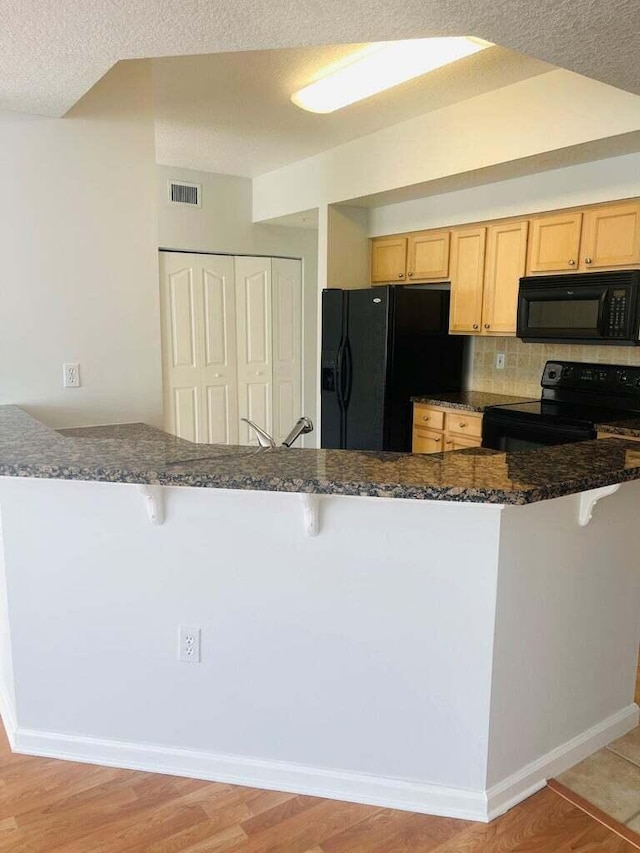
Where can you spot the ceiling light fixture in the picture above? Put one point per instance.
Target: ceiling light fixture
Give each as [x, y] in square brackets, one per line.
[380, 67]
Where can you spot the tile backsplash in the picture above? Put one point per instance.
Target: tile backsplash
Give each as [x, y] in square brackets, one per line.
[524, 363]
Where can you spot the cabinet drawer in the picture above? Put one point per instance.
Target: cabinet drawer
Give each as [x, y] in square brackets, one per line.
[464, 423]
[614, 435]
[459, 442]
[428, 416]
[425, 441]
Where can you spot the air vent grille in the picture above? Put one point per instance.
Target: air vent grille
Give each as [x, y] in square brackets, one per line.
[181, 193]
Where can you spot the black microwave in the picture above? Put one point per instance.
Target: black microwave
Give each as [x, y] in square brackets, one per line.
[580, 308]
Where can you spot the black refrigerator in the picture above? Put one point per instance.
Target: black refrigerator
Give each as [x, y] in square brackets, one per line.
[380, 347]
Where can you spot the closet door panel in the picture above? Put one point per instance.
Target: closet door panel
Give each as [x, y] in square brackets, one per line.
[254, 339]
[219, 371]
[287, 345]
[221, 426]
[185, 413]
[180, 296]
[182, 317]
[199, 346]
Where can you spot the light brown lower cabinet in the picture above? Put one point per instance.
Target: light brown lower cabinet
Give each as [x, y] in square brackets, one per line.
[614, 435]
[436, 429]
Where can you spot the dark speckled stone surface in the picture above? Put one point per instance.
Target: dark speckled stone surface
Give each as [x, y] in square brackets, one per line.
[470, 401]
[136, 453]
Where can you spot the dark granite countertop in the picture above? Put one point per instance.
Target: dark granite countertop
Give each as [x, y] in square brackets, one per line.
[136, 453]
[470, 401]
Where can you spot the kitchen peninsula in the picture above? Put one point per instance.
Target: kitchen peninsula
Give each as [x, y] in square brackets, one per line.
[434, 633]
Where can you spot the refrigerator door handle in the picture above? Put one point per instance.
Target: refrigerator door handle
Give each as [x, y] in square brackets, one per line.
[347, 376]
[339, 374]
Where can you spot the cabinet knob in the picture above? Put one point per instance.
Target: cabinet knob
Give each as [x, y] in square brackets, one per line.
[448, 442]
[437, 439]
[401, 275]
[475, 325]
[409, 274]
[216, 376]
[588, 260]
[462, 425]
[426, 418]
[487, 326]
[572, 263]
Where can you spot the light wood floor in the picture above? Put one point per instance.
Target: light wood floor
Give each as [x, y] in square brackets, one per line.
[61, 807]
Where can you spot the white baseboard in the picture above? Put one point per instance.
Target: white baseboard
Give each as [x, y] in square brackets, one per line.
[331, 784]
[257, 773]
[8, 715]
[533, 777]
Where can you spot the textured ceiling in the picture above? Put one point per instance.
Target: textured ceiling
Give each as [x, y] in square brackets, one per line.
[52, 51]
[232, 112]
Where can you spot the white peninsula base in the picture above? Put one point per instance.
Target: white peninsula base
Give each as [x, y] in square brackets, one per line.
[440, 657]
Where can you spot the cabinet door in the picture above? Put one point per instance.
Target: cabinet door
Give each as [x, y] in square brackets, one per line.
[467, 275]
[287, 345]
[388, 260]
[555, 243]
[611, 236]
[506, 260]
[428, 256]
[254, 329]
[425, 441]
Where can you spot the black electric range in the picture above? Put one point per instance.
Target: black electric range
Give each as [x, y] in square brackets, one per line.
[575, 398]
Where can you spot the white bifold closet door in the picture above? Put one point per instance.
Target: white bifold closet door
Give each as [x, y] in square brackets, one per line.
[232, 345]
[199, 347]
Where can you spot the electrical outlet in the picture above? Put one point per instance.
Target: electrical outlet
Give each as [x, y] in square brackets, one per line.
[71, 374]
[189, 644]
[499, 361]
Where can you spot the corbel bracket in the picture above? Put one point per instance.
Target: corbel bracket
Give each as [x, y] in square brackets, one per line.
[589, 499]
[153, 497]
[310, 514]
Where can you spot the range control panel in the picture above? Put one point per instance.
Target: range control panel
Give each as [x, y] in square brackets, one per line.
[610, 379]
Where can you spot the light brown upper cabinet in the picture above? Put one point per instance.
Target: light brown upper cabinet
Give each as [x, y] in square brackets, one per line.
[506, 258]
[611, 236]
[595, 238]
[428, 256]
[555, 243]
[388, 260]
[467, 277]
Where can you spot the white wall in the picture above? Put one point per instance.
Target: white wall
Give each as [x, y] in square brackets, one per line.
[365, 650]
[587, 183]
[566, 619]
[7, 686]
[79, 266]
[533, 117]
[223, 224]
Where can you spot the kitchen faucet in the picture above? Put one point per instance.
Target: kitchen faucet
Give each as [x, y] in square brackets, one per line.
[301, 426]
